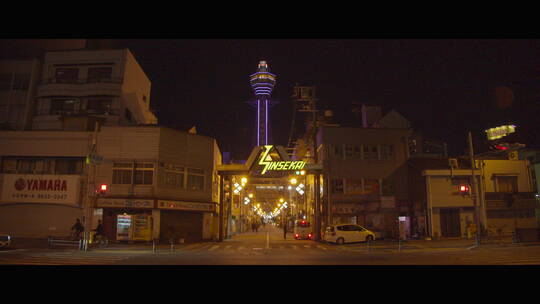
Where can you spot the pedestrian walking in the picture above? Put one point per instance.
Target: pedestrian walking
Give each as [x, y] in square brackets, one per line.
[285, 230]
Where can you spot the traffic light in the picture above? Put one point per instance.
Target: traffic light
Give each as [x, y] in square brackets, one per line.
[464, 190]
[102, 190]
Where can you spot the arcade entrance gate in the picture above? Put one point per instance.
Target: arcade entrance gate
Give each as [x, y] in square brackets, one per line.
[269, 186]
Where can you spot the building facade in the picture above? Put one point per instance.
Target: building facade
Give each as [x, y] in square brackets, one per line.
[78, 88]
[365, 176]
[506, 203]
[161, 183]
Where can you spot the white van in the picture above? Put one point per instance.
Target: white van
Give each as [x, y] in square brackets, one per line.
[347, 233]
[302, 230]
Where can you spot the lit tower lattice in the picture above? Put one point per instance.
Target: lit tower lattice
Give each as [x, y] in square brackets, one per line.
[262, 83]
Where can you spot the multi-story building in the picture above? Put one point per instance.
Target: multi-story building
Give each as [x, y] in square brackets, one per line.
[164, 179]
[161, 183]
[505, 200]
[160, 179]
[365, 173]
[78, 88]
[18, 81]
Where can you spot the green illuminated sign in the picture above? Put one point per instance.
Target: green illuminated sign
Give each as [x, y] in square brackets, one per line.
[270, 165]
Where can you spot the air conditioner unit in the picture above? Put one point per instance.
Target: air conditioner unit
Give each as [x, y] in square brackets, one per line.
[453, 163]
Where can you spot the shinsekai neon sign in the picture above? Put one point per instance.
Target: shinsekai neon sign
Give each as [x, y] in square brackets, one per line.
[270, 165]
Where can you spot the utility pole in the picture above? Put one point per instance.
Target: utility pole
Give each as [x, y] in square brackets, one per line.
[474, 195]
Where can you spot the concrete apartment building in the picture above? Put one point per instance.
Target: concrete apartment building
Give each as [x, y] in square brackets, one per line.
[365, 172]
[157, 177]
[80, 87]
[18, 81]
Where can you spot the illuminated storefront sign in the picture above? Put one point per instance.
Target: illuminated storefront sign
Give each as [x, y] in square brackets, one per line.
[189, 206]
[30, 188]
[124, 203]
[270, 165]
[500, 132]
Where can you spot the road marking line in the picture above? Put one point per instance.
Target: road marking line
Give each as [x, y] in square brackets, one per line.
[257, 248]
[241, 248]
[294, 247]
[228, 246]
[307, 246]
[322, 247]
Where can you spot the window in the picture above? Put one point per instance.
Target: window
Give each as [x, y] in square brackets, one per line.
[371, 186]
[388, 187]
[387, 152]
[68, 166]
[337, 185]
[9, 165]
[357, 151]
[59, 106]
[338, 151]
[99, 74]
[174, 177]
[506, 184]
[98, 105]
[370, 152]
[66, 75]
[195, 180]
[353, 186]
[349, 151]
[144, 173]
[122, 173]
[341, 228]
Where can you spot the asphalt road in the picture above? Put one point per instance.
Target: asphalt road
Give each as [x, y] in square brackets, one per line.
[267, 247]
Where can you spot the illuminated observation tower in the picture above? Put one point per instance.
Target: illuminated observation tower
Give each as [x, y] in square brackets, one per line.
[262, 83]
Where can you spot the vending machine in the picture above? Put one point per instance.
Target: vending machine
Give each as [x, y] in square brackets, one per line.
[123, 227]
[142, 228]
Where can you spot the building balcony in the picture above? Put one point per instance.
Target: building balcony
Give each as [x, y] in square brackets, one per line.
[501, 200]
[80, 87]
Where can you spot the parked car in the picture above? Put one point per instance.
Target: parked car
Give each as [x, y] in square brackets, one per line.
[347, 233]
[5, 240]
[302, 230]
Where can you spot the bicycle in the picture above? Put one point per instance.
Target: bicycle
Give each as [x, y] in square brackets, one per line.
[101, 240]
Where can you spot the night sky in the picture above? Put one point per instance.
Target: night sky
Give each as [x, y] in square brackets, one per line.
[444, 87]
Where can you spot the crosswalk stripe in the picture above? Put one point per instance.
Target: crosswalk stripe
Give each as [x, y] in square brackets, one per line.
[213, 248]
[228, 246]
[294, 247]
[321, 247]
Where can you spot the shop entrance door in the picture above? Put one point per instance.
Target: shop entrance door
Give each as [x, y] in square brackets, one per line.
[450, 226]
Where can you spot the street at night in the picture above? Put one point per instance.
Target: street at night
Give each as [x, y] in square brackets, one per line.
[205, 151]
[267, 247]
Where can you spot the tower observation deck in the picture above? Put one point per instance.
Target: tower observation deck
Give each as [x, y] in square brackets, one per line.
[262, 83]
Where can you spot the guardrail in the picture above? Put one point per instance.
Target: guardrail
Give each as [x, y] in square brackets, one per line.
[79, 244]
